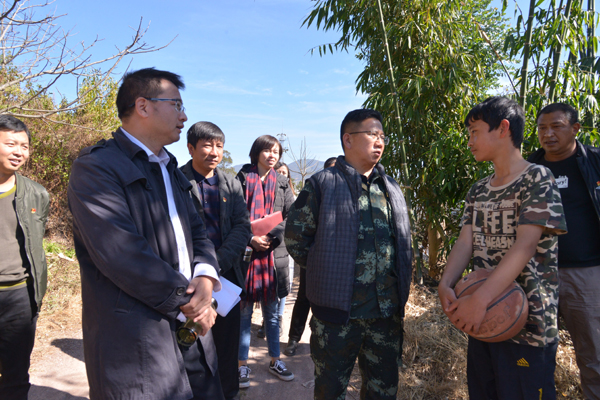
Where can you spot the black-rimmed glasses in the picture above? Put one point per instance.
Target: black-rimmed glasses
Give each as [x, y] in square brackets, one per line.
[374, 135]
[178, 103]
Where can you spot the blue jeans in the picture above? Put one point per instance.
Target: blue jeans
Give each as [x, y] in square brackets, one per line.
[271, 328]
[281, 307]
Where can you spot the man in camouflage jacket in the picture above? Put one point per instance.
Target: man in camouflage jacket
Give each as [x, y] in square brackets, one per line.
[349, 228]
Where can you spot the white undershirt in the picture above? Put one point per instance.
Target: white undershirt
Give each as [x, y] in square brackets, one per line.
[201, 269]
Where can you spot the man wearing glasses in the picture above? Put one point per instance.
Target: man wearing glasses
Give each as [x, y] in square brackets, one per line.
[146, 261]
[349, 228]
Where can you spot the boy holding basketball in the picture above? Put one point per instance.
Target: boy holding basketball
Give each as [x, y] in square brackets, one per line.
[509, 227]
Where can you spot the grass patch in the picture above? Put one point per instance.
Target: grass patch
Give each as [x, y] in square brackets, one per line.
[64, 283]
[435, 356]
[435, 365]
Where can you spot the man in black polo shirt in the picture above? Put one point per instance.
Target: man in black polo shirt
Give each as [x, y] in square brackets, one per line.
[219, 199]
[576, 168]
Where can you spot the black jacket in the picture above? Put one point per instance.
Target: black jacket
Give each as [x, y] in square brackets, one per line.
[588, 160]
[233, 223]
[130, 282]
[284, 198]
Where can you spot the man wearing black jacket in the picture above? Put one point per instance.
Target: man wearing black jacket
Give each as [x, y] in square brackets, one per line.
[146, 261]
[576, 168]
[219, 199]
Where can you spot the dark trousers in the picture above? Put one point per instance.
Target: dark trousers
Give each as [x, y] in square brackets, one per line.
[18, 317]
[205, 385]
[301, 309]
[226, 334]
[510, 371]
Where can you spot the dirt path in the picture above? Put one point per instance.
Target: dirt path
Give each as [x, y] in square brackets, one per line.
[58, 371]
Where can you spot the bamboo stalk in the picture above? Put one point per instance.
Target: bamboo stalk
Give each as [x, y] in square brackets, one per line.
[572, 61]
[416, 252]
[557, 54]
[591, 117]
[551, 54]
[526, 49]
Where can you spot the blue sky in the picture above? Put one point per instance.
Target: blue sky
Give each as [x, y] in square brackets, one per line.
[246, 64]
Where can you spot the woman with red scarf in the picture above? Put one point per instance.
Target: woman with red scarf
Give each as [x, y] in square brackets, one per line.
[267, 279]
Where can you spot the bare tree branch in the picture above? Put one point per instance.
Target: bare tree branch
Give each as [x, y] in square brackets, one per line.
[306, 165]
[35, 52]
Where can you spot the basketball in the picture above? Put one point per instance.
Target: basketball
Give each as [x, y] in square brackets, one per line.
[505, 316]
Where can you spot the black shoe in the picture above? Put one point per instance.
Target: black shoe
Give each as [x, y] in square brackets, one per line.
[261, 331]
[279, 370]
[244, 376]
[291, 348]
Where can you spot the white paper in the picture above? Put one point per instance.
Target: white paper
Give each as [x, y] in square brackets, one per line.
[227, 297]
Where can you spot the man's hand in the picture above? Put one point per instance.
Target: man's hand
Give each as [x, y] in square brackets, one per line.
[199, 308]
[261, 243]
[467, 313]
[447, 297]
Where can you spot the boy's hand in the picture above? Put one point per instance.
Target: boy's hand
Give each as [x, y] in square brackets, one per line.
[467, 313]
[447, 297]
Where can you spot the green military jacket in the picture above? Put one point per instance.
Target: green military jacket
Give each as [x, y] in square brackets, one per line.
[32, 204]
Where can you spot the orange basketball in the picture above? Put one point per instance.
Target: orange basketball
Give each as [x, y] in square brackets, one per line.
[505, 316]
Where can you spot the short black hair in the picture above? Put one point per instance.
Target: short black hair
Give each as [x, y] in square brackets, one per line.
[281, 164]
[204, 130]
[8, 123]
[261, 143]
[330, 162]
[495, 109]
[568, 109]
[358, 116]
[142, 83]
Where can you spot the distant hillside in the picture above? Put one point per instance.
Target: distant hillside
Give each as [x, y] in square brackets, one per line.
[294, 168]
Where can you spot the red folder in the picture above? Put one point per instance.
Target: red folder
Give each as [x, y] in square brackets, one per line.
[264, 225]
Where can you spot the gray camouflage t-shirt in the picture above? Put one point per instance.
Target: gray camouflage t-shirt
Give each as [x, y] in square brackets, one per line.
[495, 213]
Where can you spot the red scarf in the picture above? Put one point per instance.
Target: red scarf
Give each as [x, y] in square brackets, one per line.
[260, 280]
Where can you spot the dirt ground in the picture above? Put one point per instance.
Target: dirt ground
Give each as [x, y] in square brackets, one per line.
[58, 371]
[434, 352]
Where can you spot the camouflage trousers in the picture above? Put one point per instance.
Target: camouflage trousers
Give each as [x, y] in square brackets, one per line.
[334, 348]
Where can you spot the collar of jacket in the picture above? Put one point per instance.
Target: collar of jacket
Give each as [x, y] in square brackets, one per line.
[352, 176]
[539, 154]
[187, 170]
[132, 150]
[350, 170]
[20, 187]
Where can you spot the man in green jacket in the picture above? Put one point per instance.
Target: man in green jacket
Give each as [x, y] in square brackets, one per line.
[23, 213]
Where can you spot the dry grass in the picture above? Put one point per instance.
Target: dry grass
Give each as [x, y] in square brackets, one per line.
[61, 309]
[435, 352]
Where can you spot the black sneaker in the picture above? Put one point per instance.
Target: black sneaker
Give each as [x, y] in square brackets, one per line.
[291, 348]
[279, 370]
[244, 375]
[261, 331]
